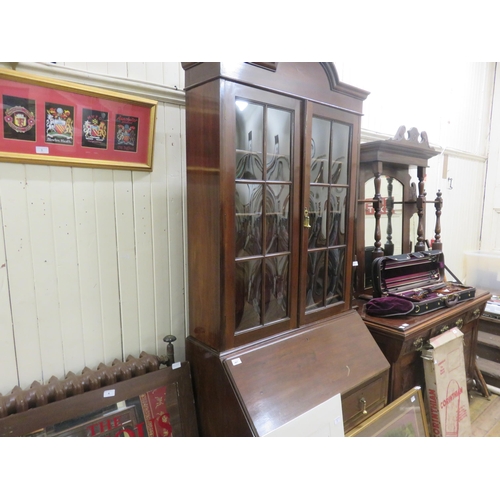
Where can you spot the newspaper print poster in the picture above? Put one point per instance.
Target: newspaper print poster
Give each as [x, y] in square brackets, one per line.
[59, 123]
[18, 118]
[94, 129]
[126, 128]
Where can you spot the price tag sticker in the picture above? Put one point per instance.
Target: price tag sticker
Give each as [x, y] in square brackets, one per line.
[109, 394]
[42, 150]
[236, 361]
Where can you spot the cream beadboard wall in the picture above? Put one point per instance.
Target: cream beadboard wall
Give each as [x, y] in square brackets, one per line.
[93, 261]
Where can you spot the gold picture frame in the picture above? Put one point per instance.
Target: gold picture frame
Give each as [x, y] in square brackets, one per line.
[404, 417]
[54, 122]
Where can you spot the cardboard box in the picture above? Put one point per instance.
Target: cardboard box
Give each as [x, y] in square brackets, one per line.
[446, 385]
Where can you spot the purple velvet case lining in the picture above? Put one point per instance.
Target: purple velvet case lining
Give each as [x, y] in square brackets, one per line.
[417, 279]
[404, 273]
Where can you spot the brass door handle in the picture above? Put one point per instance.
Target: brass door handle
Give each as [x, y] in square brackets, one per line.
[306, 218]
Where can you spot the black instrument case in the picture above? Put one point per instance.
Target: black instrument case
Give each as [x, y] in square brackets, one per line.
[420, 278]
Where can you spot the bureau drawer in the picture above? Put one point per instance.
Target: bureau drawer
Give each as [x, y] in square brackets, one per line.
[458, 321]
[364, 401]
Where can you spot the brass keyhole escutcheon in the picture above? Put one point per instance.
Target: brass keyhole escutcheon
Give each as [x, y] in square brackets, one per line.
[306, 218]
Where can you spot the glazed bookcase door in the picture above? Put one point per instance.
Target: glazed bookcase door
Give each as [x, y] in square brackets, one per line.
[327, 245]
[264, 164]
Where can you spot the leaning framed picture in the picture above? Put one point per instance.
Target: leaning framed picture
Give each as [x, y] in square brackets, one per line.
[158, 403]
[404, 417]
[53, 122]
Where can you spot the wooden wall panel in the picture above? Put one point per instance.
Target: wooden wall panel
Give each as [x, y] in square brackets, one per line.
[19, 262]
[127, 266]
[39, 209]
[88, 264]
[67, 266]
[143, 232]
[92, 260]
[176, 222]
[8, 363]
[161, 250]
[107, 263]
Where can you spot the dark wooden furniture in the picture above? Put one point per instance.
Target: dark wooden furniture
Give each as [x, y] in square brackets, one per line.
[401, 338]
[272, 156]
[391, 206]
[488, 348]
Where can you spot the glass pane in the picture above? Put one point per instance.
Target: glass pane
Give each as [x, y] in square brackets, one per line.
[320, 146]
[248, 219]
[249, 140]
[276, 288]
[337, 216]
[318, 197]
[278, 144]
[315, 280]
[340, 151]
[248, 294]
[277, 218]
[335, 277]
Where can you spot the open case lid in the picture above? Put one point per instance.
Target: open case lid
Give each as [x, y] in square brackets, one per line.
[397, 273]
[279, 380]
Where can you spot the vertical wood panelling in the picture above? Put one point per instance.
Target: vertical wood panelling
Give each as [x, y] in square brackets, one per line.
[173, 75]
[21, 278]
[88, 265]
[108, 265]
[177, 221]
[127, 268]
[154, 72]
[67, 268]
[97, 67]
[118, 69]
[39, 205]
[8, 366]
[144, 258]
[137, 71]
[161, 253]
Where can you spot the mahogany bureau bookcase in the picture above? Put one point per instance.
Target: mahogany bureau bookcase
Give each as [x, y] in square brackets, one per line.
[272, 164]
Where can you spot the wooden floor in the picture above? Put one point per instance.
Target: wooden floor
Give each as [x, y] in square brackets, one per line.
[485, 415]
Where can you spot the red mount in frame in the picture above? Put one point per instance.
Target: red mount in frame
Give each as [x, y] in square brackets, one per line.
[52, 122]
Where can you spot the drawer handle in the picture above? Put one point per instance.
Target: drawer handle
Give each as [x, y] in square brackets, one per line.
[459, 323]
[476, 313]
[363, 405]
[418, 344]
[444, 329]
